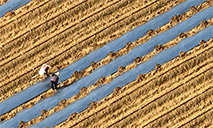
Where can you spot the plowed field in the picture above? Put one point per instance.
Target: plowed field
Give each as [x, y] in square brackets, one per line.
[178, 93]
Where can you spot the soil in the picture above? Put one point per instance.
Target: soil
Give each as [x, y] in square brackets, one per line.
[3, 1]
[178, 93]
[176, 84]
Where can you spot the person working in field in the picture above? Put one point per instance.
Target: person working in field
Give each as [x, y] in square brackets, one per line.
[44, 70]
[54, 80]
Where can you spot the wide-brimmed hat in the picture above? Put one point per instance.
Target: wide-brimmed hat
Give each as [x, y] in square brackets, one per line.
[57, 73]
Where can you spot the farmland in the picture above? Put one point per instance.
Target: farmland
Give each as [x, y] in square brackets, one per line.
[60, 33]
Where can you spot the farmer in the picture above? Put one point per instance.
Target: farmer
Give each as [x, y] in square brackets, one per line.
[44, 69]
[54, 80]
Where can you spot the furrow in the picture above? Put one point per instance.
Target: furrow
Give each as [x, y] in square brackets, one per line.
[205, 100]
[13, 19]
[136, 88]
[150, 105]
[196, 116]
[136, 100]
[53, 58]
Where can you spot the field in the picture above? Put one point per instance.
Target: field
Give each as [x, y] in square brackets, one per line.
[177, 93]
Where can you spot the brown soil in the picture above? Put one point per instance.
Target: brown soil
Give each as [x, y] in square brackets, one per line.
[13, 78]
[106, 60]
[176, 93]
[179, 79]
[14, 83]
[3, 1]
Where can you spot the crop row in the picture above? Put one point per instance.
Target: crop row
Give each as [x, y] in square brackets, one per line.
[41, 46]
[43, 29]
[101, 31]
[105, 61]
[85, 72]
[123, 111]
[30, 16]
[172, 73]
